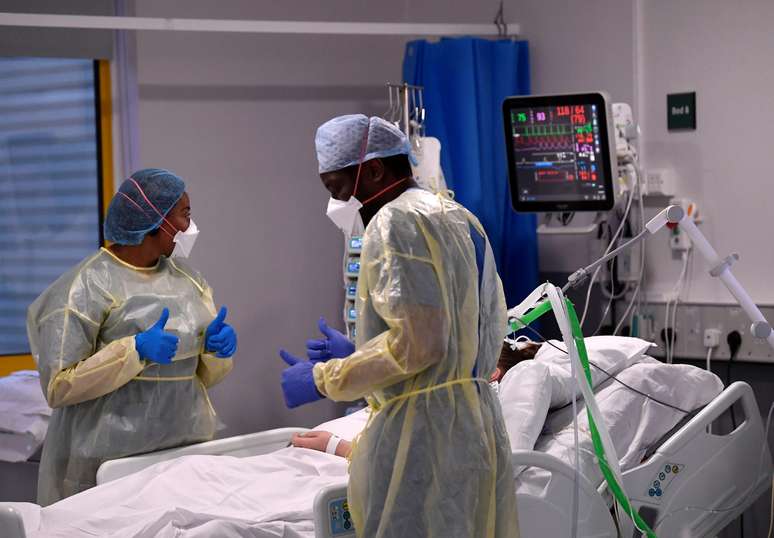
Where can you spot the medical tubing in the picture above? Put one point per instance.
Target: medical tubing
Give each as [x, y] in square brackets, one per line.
[601, 440]
[641, 276]
[569, 314]
[524, 321]
[609, 376]
[615, 487]
[771, 513]
[576, 478]
[747, 495]
[607, 251]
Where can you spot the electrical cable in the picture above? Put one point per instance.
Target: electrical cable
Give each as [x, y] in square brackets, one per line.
[641, 277]
[771, 514]
[607, 251]
[685, 277]
[669, 334]
[734, 341]
[567, 218]
[608, 374]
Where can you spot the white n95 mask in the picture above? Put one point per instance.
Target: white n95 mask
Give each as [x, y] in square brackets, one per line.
[184, 241]
[346, 215]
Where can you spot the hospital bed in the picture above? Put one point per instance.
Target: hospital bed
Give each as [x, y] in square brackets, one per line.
[706, 480]
[24, 416]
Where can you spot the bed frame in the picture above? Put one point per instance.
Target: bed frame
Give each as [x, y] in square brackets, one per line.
[717, 479]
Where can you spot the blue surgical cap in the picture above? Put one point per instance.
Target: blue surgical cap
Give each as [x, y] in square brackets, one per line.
[339, 142]
[130, 216]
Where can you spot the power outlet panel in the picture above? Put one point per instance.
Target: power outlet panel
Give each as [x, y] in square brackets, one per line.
[691, 322]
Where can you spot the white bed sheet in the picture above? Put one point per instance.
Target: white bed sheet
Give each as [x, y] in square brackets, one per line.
[272, 495]
[268, 496]
[24, 415]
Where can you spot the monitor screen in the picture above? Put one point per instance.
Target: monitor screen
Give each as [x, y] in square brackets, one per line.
[559, 152]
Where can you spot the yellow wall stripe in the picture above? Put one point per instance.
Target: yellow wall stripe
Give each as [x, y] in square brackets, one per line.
[106, 132]
[13, 363]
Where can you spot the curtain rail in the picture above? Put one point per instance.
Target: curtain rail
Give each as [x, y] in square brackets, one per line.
[248, 26]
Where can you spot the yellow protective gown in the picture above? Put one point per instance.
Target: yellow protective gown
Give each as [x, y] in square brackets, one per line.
[434, 460]
[107, 402]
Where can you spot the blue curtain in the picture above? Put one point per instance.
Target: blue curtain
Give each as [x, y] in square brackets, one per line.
[465, 81]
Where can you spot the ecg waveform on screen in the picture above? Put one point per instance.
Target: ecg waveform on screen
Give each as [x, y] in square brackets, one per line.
[548, 137]
[544, 143]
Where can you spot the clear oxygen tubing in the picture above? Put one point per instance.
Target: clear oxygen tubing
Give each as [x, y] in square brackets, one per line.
[610, 247]
[521, 318]
[528, 311]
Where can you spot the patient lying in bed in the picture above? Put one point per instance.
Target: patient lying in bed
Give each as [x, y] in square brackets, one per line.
[271, 496]
[623, 377]
[319, 439]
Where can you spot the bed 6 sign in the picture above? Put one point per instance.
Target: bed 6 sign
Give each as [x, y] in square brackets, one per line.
[681, 111]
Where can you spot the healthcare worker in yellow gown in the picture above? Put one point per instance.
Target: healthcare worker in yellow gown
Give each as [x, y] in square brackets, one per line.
[128, 341]
[434, 459]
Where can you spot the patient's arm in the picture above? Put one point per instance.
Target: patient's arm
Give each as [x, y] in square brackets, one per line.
[318, 440]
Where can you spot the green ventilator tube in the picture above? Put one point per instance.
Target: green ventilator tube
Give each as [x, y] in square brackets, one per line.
[529, 317]
[612, 483]
[617, 491]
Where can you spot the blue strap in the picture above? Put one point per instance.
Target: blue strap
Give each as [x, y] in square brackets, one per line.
[479, 244]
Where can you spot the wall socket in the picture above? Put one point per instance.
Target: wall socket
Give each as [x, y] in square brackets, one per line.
[660, 182]
[693, 320]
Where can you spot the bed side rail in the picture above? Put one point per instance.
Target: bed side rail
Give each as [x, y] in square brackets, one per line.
[547, 510]
[699, 481]
[11, 523]
[240, 446]
[331, 513]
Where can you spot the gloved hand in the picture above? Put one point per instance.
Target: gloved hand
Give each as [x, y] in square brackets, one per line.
[155, 344]
[298, 381]
[221, 337]
[334, 346]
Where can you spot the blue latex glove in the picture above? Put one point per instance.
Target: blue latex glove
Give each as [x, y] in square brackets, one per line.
[298, 381]
[220, 337]
[334, 346]
[155, 344]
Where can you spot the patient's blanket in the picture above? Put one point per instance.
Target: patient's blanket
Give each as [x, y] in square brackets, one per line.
[537, 405]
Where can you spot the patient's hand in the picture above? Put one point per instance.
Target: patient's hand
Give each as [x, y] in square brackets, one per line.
[318, 440]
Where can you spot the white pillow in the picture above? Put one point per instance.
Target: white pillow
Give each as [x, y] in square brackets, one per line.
[617, 349]
[525, 395]
[607, 355]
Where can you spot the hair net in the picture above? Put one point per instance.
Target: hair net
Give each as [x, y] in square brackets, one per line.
[339, 142]
[130, 216]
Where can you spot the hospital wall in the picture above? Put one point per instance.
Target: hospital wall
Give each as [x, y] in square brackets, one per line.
[235, 115]
[639, 51]
[721, 50]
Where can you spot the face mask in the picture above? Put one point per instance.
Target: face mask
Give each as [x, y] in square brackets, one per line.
[346, 215]
[184, 241]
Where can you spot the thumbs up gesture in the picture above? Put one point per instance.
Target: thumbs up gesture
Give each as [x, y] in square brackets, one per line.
[334, 346]
[220, 337]
[155, 344]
